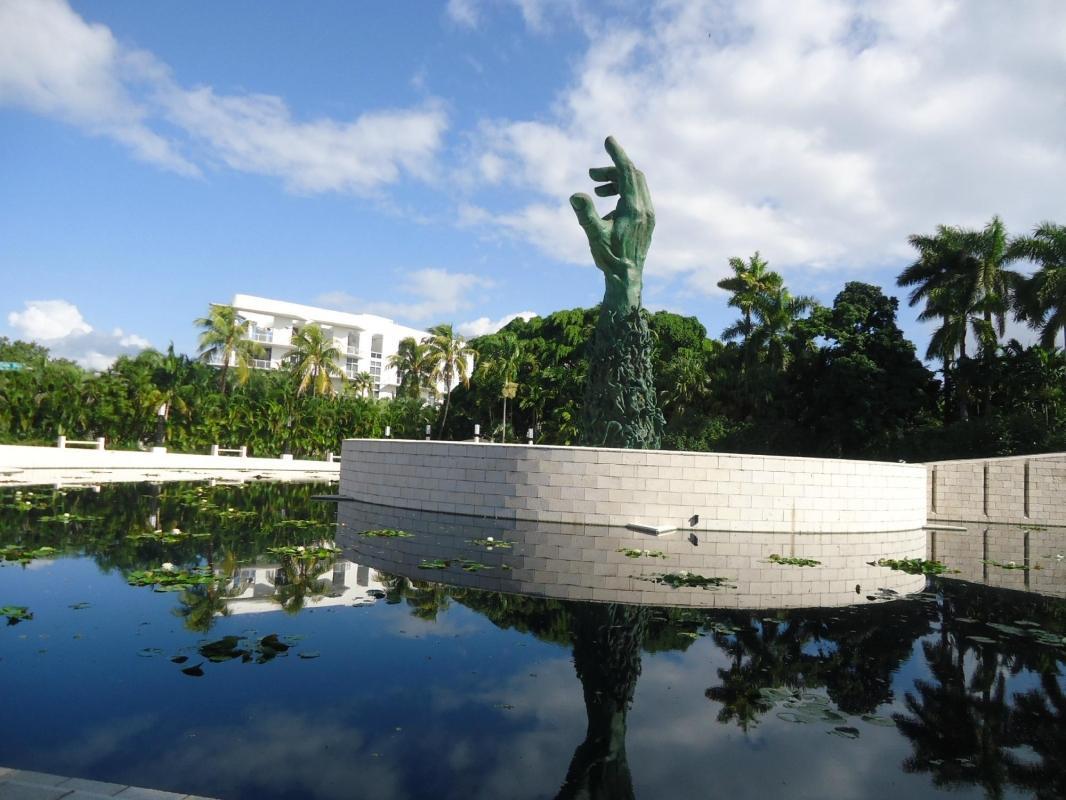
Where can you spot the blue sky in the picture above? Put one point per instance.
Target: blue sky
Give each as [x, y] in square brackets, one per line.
[414, 159]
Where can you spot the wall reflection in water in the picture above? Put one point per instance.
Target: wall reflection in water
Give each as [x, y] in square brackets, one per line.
[591, 563]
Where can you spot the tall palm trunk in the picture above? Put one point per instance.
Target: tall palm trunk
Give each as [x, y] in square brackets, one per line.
[447, 402]
[960, 385]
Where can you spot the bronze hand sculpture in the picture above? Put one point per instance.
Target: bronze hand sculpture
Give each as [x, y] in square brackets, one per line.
[620, 241]
[620, 408]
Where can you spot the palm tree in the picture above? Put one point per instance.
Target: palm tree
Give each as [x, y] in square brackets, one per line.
[414, 369]
[1045, 292]
[224, 340]
[501, 367]
[171, 391]
[361, 384]
[750, 284]
[451, 357]
[314, 359]
[988, 252]
[774, 314]
[961, 275]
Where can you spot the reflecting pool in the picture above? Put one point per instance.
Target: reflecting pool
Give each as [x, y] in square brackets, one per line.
[251, 641]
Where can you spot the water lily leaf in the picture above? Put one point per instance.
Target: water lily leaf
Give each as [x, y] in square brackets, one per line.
[79, 606]
[310, 654]
[224, 649]
[149, 652]
[436, 563]
[873, 719]
[194, 672]
[180, 659]
[845, 732]
[15, 614]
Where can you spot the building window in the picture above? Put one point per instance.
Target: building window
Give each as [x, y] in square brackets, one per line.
[351, 367]
[263, 363]
[376, 345]
[257, 334]
[353, 344]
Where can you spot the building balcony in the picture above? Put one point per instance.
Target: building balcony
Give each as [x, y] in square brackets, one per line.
[262, 336]
[261, 363]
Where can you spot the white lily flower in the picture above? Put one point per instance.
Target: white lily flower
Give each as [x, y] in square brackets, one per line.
[168, 567]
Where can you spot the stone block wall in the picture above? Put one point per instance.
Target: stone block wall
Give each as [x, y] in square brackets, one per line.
[1019, 490]
[602, 486]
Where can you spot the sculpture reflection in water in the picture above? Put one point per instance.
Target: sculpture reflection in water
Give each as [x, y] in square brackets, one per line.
[964, 724]
[607, 645]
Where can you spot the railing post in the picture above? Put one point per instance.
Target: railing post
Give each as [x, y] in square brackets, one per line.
[100, 442]
[214, 449]
[428, 430]
[244, 451]
[61, 441]
[529, 435]
[388, 431]
[477, 434]
[329, 457]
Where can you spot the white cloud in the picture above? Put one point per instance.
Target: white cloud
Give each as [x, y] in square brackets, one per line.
[45, 320]
[535, 13]
[484, 325]
[55, 63]
[435, 294]
[463, 12]
[821, 133]
[59, 326]
[256, 133]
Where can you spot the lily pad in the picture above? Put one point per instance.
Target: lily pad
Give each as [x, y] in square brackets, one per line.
[16, 614]
[912, 566]
[690, 580]
[386, 533]
[792, 561]
[493, 543]
[873, 719]
[434, 563]
[845, 732]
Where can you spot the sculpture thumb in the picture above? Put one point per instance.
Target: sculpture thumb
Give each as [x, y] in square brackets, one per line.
[585, 210]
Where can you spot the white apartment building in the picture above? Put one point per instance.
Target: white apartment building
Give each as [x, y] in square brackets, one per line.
[365, 340]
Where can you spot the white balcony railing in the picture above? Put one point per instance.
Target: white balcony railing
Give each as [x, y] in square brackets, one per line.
[261, 363]
[262, 336]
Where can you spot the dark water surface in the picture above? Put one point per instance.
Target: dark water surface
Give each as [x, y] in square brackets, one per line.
[307, 674]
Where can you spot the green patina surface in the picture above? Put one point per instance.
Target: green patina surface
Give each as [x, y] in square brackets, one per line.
[620, 408]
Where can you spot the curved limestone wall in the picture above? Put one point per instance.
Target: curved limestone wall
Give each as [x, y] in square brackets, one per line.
[600, 486]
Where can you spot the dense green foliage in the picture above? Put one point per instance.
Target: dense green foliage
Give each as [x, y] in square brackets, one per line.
[792, 378]
[267, 412]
